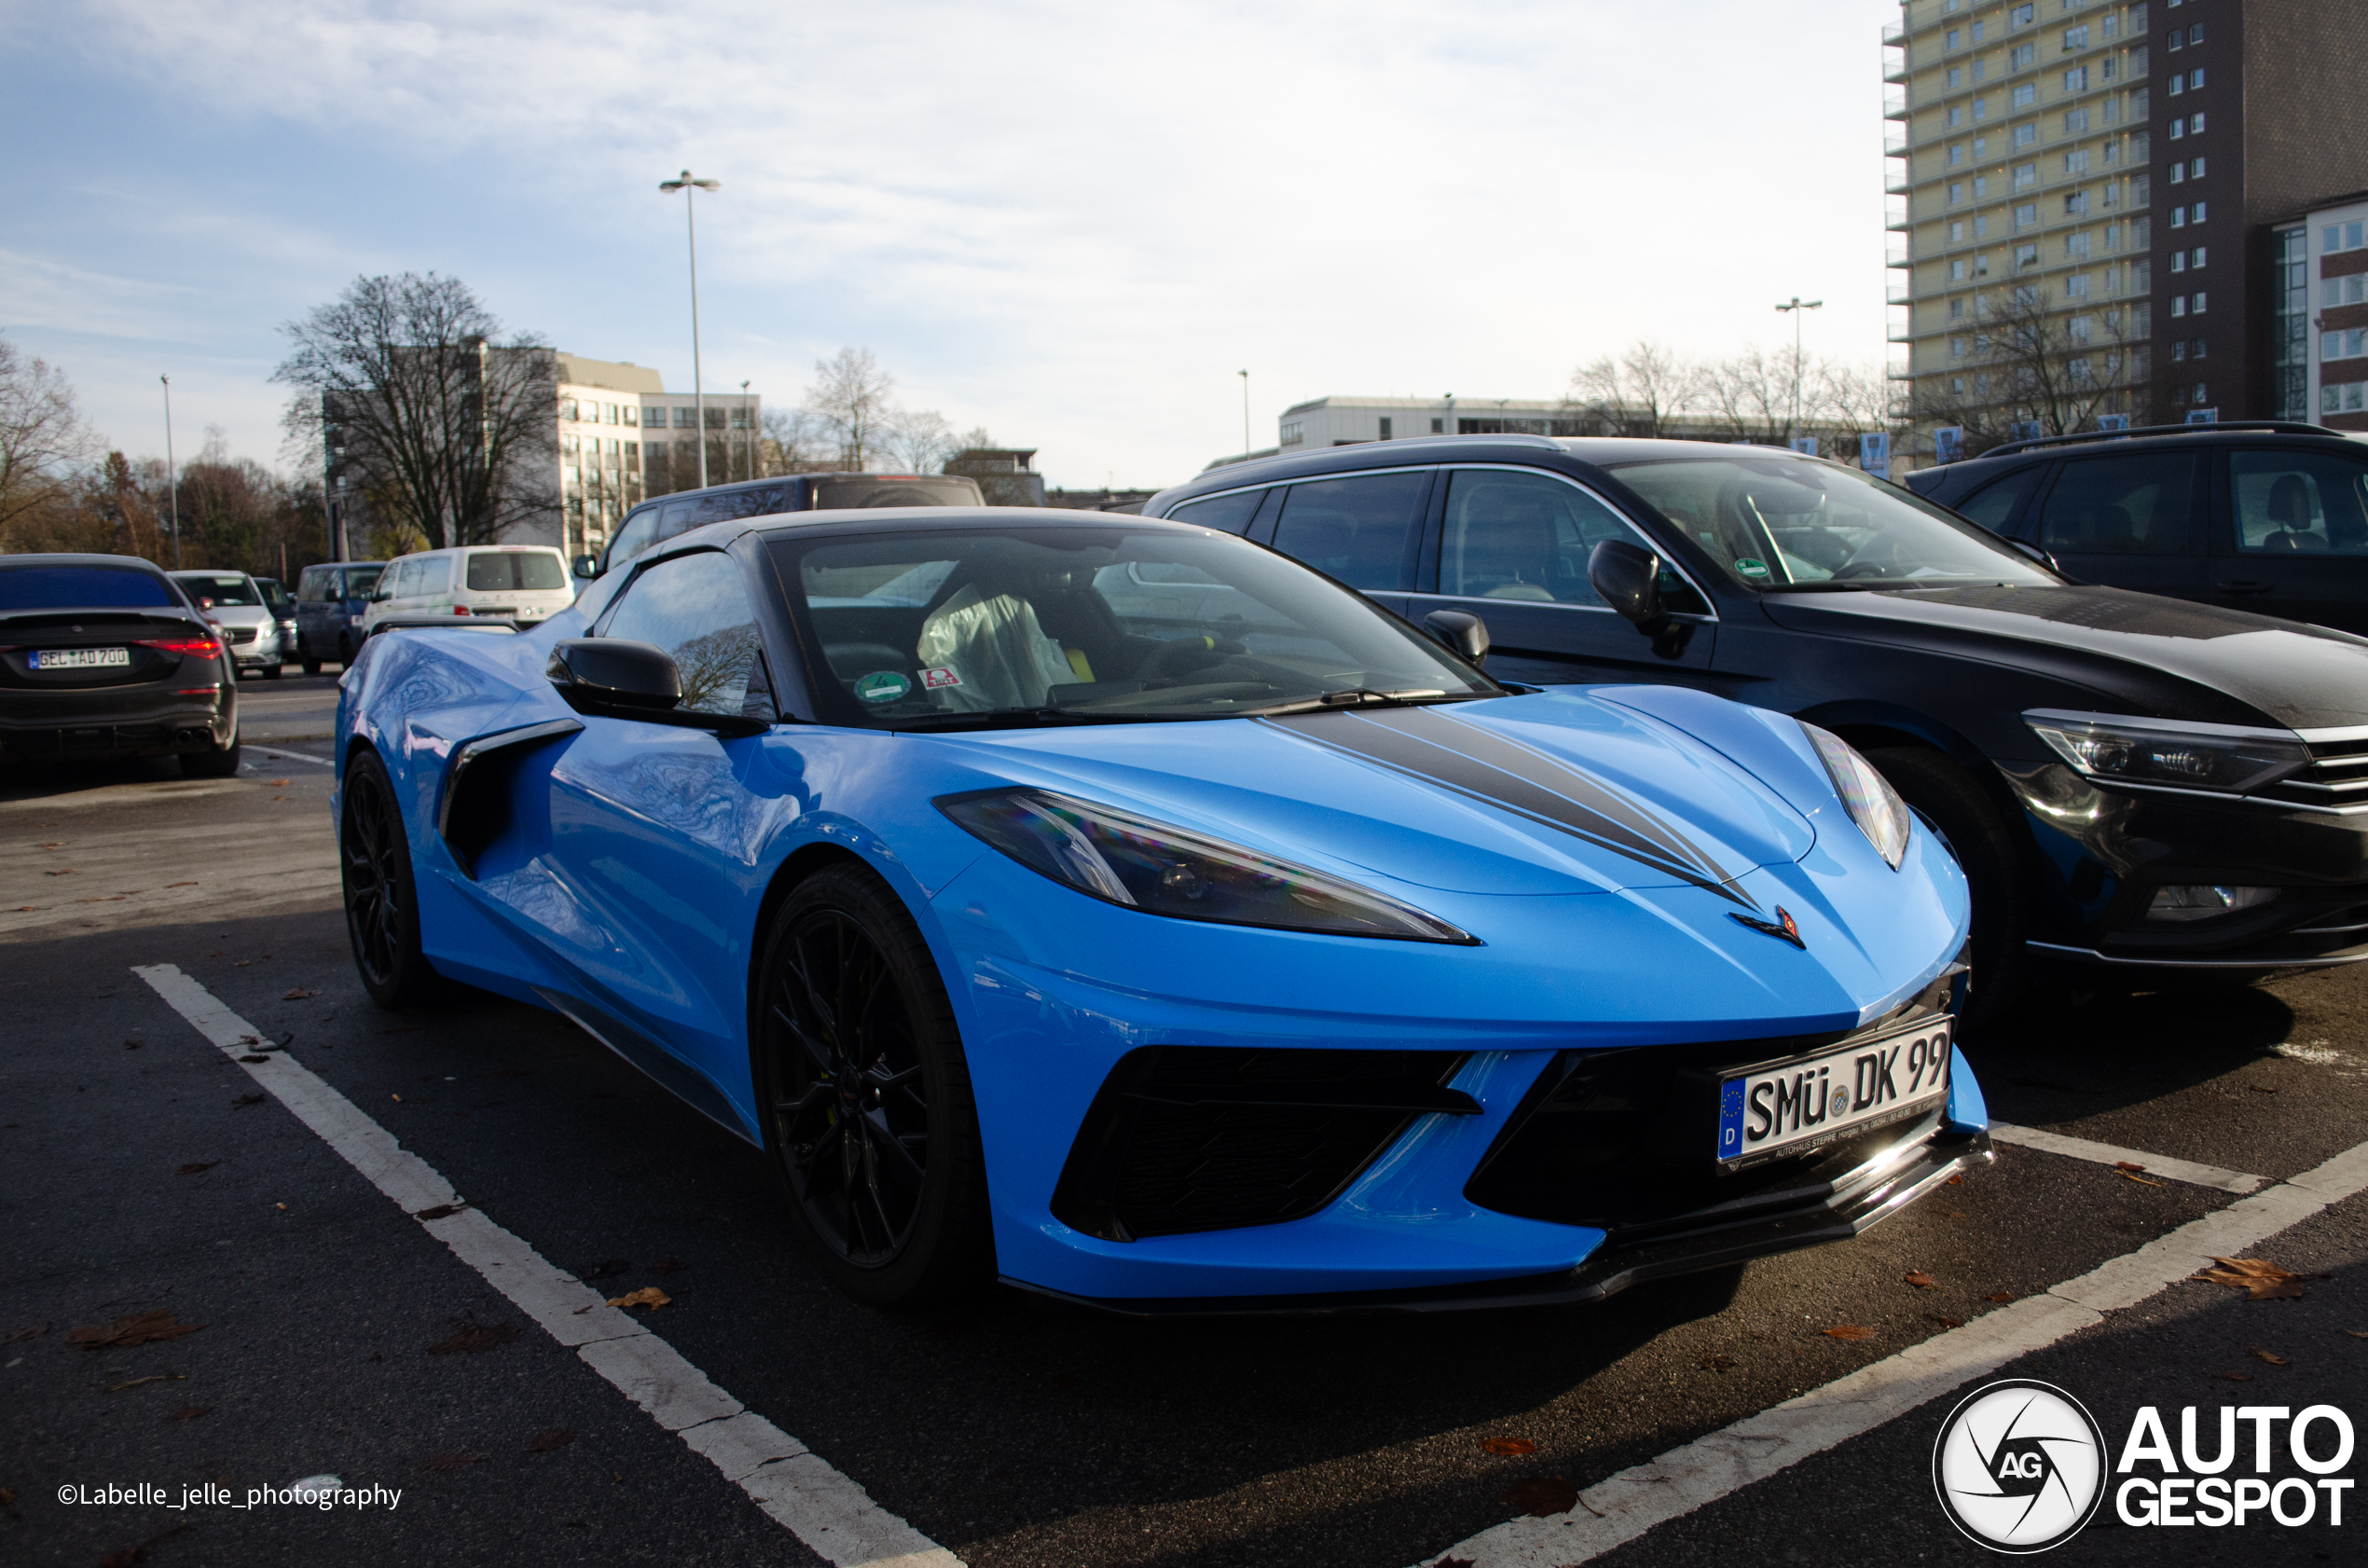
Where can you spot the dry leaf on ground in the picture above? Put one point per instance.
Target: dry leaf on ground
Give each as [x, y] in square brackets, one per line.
[1509, 1445]
[190, 1412]
[440, 1211]
[135, 1328]
[184, 1377]
[556, 1437]
[2355, 1333]
[2140, 1180]
[277, 783]
[2259, 1278]
[648, 1296]
[2127, 1165]
[1945, 1321]
[2273, 1359]
[254, 1099]
[1716, 1363]
[298, 994]
[1542, 1495]
[1920, 1280]
[451, 1461]
[475, 1340]
[1850, 1331]
[194, 1166]
[2234, 1377]
[252, 1057]
[32, 1333]
[2000, 1296]
[1958, 1180]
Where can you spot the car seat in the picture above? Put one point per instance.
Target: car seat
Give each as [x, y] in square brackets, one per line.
[1507, 552]
[2289, 509]
[992, 650]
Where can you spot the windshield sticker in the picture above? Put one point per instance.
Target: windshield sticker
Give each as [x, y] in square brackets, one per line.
[882, 685]
[1751, 567]
[934, 679]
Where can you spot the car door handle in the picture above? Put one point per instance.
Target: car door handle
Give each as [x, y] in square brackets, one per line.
[2244, 587]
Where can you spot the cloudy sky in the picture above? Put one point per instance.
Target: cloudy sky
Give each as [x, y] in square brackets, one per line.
[1070, 221]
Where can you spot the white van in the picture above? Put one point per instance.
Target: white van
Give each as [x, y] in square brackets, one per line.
[523, 583]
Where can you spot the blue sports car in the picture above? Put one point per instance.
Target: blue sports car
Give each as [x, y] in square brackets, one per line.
[1126, 911]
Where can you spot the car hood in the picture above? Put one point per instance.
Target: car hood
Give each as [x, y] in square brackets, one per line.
[2166, 657]
[1545, 794]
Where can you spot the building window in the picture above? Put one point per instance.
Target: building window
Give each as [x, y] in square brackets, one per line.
[2195, 212]
[2194, 125]
[2019, 16]
[2026, 175]
[2178, 82]
[2347, 398]
[2177, 172]
[2026, 256]
[1385, 427]
[2195, 306]
[2076, 287]
[2022, 57]
[1981, 105]
[1955, 111]
[1956, 154]
[2196, 33]
[2178, 305]
[2076, 246]
[2178, 261]
[2345, 291]
[1981, 148]
[1956, 192]
[2196, 261]
[2194, 81]
[1979, 28]
[2340, 236]
[1981, 189]
[2076, 161]
[2178, 128]
[1957, 347]
[2023, 97]
[2196, 168]
[2076, 38]
[1438, 427]
[2343, 345]
[1957, 233]
[1981, 263]
[2081, 328]
[1957, 270]
[2175, 40]
[2178, 218]
[1981, 227]
[1956, 309]
[2026, 215]
[2079, 371]
[2076, 204]
[2178, 350]
[1956, 80]
[2075, 121]
[1954, 38]
[2196, 350]
[2076, 79]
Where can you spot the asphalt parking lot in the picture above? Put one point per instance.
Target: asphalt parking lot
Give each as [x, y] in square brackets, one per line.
[148, 1170]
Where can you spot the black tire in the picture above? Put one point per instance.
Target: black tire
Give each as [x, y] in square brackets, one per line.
[311, 666]
[345, 651]
[219, 762]
[382, 894]
[1973, 831]
[273, 672]
[866, 1096]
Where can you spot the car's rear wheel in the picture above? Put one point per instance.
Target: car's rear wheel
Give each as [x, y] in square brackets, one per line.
[382, 894]
[310, 667]
[1974, 832]
[867, 1098]
[217, 762]
[273, 671]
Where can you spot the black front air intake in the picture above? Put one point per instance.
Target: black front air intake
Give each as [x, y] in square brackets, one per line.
[1202, 1137]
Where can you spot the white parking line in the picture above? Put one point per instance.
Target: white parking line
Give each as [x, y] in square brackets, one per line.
[1624, 1506]
[2188, 1170]
[822, 1508]
[275, 753]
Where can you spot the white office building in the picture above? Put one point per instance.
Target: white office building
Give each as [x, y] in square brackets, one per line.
[624, 438]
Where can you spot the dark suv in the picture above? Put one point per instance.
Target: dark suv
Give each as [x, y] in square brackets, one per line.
[2266, 517]
[2135, 785]
[655, 522]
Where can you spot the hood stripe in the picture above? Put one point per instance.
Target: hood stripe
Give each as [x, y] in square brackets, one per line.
[1472, 762]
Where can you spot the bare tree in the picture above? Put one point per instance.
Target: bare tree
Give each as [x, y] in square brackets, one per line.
[451, 434]
[1638, 392]
[920, 441]
[2027, 360]
[42, 438]
[1749, 395]
[850, 394]
[794, 442]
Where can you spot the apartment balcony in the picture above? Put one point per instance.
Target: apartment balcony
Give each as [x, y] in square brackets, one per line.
[1898, 177]
[1895, 215]
[1895, 68]
[1900, 370]
[1894, 142]
[1894, 102]
[1896, 254]
[1901, 327]
[1901, 292]
[1895, 33]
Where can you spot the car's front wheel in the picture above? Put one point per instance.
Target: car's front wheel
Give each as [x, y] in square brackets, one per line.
[1973, 831]
[866, 1095]
[382, 894]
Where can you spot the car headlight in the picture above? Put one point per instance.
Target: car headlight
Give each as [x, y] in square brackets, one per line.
[1132, 862]
[1867, 795]
[2217, 757]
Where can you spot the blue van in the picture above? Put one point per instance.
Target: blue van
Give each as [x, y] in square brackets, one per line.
[329, 602]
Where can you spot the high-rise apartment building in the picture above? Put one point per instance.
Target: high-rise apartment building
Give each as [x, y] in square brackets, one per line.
[2095, 200]
[623, 437]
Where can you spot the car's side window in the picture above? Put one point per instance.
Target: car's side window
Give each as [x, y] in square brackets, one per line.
[1357, 529]
[2135, 505]
[399, 578]
[1519, 536]
[640, 533]
[696, 607]
[1229, 513]
[431, 574]
[1994, 505]
[2311, 503]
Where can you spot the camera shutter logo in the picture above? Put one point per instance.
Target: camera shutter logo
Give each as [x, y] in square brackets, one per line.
[2019, 1466]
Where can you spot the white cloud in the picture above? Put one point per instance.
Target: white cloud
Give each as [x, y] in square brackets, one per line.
[1073, 221]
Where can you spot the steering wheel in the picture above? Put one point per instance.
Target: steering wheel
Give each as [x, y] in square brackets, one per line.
[1874, 559]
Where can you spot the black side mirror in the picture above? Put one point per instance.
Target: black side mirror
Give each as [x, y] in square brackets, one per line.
[627, 680]
[1629, 576]
[587, 567]
[1465, 634]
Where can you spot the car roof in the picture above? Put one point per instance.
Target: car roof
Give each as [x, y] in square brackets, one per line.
[2023, 454]
[1423, 450]
[81, 558]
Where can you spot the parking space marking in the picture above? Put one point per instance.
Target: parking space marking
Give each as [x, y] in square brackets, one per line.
[2188, 1170]
[275, 754]
[1618, 1509]
[818, 1504]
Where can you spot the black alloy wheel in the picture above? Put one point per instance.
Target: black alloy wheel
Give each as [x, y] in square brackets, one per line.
[382, 895]
[869, 1115]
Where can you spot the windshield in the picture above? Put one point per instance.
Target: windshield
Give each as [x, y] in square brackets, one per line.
[954, 627]
[275, 594]
[222, 587]
[362, 580]
[1788, 524]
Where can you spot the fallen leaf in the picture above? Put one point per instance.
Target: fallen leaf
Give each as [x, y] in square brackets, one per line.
[174, 1377]
[2260, 1279]
[2126, 1166]
[298, 994]
[2143, 1181]
[241, 963]
[2234, 1377]
[1850, 1331]
[1542, 1495]
[180, 884]
[648, 1296]
[475, 1340]
[440, 1211]
[68, 871]
[1946, 1321]
[2000, 1296]
[451, 1461]
[669, 1266]
[190, 1412]
[254, 1056]
[194, 1166]
[282, 1207]
[1920, 1280]
[277, 783]
[2274, 1360]
[608, 1268]
[2261, 1088]
[2355, 1333]
[134, 1044]
[558, 1437]
[396, 1098]
[1952, 1213]
[1957, 1180]
[137, 1329]
[40, 1329]
[250, 1100]
[1716, 1363]
[1509, 1445]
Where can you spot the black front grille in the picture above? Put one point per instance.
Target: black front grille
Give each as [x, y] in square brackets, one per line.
[2338, 776]
[239, 637]
[1184, 1138]
[1625, 1139]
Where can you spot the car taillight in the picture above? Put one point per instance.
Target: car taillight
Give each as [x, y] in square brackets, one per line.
[459, 610]
[200, 647]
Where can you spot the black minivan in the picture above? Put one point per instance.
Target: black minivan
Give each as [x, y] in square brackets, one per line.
[2265, 516]
[655, 521]
[2135, 785]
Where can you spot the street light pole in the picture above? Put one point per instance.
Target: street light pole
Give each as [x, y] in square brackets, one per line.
[1245, 415]
[688, 187]
[171, 473]
[748, 429]
[1796, 307]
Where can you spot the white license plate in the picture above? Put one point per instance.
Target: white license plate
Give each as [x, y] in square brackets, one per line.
[1789, 1107]
[81, 658]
